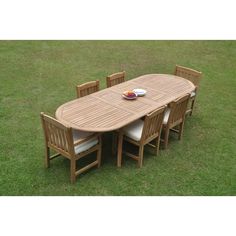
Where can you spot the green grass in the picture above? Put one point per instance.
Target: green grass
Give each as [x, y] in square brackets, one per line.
[39, 76]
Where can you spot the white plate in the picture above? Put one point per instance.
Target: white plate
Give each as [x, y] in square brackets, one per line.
[129, 98]
[140, 92]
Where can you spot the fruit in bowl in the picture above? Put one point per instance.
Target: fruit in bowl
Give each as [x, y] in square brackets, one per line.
[129, 94]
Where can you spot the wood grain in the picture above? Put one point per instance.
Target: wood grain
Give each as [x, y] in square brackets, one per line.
[107, 110]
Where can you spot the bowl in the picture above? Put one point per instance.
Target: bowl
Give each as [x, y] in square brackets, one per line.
[129, 94]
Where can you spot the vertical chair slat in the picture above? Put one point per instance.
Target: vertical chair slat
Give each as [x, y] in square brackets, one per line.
[60, 136]
[57, 137]
[53, 135]
[52, 139]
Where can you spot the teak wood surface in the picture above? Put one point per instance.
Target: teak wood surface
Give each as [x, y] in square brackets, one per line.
[107, 110]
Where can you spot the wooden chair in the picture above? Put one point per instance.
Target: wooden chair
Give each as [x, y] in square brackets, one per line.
[193, 76]
[70, 143]
[174, 117]
[142, 132]
[87, 88]
[116, 78]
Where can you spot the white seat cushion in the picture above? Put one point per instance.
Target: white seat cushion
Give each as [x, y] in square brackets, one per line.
[166, 116]
[86, 145]
[193, 94]
[134, 130]
[80, 134]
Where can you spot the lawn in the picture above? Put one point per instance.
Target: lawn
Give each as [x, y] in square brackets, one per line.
[39, 76]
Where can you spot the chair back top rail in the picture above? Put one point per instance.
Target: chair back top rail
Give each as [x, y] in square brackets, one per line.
[107, 110]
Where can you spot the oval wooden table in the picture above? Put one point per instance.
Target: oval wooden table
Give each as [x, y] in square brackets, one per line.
[107, 110]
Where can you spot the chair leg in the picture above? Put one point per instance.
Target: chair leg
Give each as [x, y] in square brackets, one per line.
[192, 105]
[158, 144]
[119, 149]
[47, 157]
[72, 170]
[166, 137]
[140, 154]
[181, 129]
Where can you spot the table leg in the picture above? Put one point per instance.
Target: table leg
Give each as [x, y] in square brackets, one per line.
[119, 148]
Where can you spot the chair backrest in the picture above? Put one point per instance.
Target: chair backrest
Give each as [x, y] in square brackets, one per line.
[116, 78]
[87, 88]
[177, 110]
[57, 136]
[153, 124]
[193, 75]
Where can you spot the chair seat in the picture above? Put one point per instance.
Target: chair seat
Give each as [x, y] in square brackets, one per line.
[86, 145]
[134, 130]
[192, 94]
[166, 116]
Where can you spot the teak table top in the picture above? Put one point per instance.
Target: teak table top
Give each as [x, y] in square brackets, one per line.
[107, 110]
